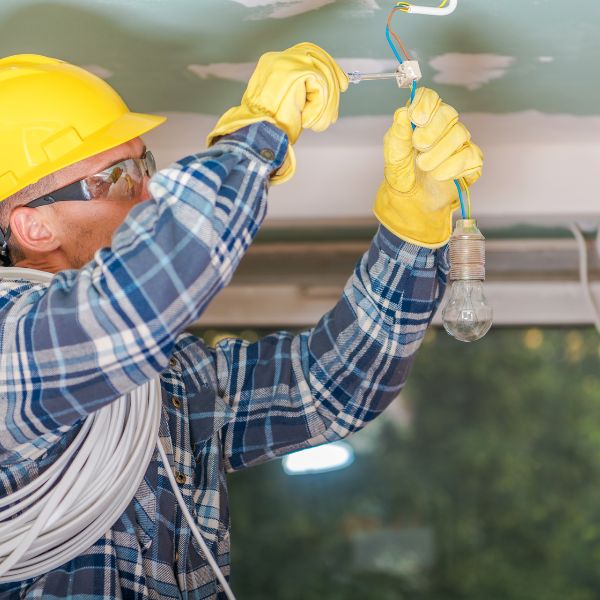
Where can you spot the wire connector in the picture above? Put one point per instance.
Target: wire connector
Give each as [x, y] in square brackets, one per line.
[407, 73]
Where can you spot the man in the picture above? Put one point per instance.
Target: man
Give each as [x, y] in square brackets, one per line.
[138, 256]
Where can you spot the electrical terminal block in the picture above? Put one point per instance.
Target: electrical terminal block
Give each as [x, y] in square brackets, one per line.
[407, 73]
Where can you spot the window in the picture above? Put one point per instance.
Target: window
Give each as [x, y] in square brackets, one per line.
[481, 482]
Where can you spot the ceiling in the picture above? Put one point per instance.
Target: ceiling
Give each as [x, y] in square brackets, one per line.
[522, 73]
[516, 54]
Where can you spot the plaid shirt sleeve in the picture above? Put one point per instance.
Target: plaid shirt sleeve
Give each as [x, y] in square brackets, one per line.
[294, 391]
[97, 333]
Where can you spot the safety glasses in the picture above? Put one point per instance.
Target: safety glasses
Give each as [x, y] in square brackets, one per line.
[122, 181]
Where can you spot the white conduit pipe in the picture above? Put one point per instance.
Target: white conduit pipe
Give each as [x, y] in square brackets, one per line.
[433, 11]
[584, 275]
[74, 502]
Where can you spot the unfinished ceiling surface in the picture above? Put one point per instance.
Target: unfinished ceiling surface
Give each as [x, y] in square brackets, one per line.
[522, 74]
[496, 56]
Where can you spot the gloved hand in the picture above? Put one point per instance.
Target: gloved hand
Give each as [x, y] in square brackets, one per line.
[418, 196]
[294, 89]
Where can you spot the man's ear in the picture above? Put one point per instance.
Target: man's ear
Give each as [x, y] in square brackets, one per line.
[33, 230]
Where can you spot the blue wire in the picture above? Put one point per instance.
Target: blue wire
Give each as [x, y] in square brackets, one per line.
[413, 91]
[460, 197]
[389, 39]
[456, 183]
[412, 97]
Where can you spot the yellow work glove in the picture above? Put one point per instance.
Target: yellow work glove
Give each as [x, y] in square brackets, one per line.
[296, 89]
[418, 196]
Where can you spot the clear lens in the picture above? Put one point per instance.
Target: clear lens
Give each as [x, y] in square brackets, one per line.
[467, 316]
[123, 181]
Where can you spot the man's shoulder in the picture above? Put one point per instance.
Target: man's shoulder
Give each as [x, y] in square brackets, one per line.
[13, 291]
[190, 344]
[194, 358]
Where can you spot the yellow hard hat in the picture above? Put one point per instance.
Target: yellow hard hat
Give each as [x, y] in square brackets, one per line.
[54, 114]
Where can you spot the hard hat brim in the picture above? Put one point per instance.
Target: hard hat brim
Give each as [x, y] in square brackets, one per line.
[125, 128]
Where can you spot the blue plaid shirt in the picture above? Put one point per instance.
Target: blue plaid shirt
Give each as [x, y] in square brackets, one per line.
[95, 334]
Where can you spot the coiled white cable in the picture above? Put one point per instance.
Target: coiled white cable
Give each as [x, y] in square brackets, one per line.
[74, 502]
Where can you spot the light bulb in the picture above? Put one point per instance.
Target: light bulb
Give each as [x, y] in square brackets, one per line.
[467, 316]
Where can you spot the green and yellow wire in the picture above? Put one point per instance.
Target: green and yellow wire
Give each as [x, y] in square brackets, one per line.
[468, 192]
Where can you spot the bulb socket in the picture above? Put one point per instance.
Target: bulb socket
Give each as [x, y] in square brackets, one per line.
[467, 252]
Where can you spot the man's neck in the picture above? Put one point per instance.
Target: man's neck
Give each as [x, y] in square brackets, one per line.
[49, 264]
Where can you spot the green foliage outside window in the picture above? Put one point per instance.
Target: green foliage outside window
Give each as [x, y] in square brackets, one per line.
[488, 488]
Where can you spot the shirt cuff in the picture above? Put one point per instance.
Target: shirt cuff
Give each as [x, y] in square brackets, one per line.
[267, 142]
[409, 254]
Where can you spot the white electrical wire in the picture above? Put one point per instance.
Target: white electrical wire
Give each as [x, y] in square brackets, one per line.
[433, 11]
[195, 531]
[74, 502]
[584, 274]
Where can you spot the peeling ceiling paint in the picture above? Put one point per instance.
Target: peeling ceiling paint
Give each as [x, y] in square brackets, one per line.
[283, 9]
[470, 71]
[229, 71]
